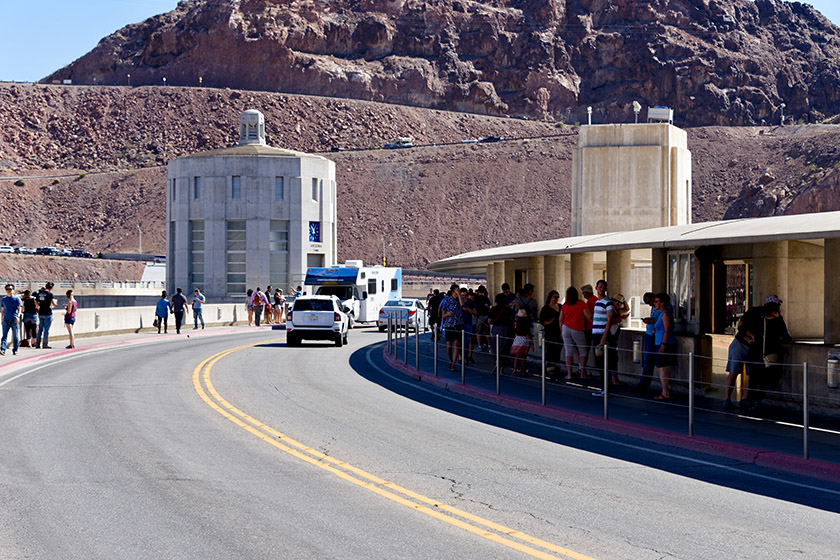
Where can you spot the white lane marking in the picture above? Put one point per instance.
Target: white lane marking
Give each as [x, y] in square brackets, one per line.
[462, 403]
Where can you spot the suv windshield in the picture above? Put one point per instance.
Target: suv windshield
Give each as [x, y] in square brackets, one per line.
[341, 292]
[313, 305]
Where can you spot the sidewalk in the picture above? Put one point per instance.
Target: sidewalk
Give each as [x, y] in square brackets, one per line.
[774, 440]
[27, 357]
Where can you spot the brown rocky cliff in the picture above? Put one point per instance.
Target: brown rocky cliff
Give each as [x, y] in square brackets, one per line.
[714, 62]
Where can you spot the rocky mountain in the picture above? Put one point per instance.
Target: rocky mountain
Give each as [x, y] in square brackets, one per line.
[716, 62]
[85, 166]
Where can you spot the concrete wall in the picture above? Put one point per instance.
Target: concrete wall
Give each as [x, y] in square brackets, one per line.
[630, 176]
[114, 320]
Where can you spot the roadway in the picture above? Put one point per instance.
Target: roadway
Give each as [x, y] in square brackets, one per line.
[234, 446]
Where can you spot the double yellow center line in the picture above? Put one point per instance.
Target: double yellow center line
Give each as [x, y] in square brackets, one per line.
[484, 528]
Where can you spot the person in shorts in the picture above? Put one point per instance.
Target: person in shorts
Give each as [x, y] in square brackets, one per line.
[523, 343]
[451, 321]
[70, 317]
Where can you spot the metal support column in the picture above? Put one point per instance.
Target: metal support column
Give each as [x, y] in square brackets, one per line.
[417, 348]
[463, 358]
[435, 340]
[606, 382]
[542, 342]
[806, 416]
[498, 368]
[691, 394]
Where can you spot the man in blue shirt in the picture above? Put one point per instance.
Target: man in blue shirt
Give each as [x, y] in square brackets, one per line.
[649, 355]
[198, 308]
[10, 307]
[162, 312]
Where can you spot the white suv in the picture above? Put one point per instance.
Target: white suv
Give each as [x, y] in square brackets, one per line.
[317, 318]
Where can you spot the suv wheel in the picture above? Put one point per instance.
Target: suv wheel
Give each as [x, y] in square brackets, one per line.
[292, 340]
[339, 342]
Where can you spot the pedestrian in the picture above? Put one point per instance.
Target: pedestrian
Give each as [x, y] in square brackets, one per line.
[588, 296]
[603, 319]
[574, 315]
[70, 317]
[501, 328]
[178, 303]
[434, 313]
[249, 304]
[665, 343]
[257, 303]
[279, 306]
[46, 302]
[509, 296]
[451, 321]
[765, 369]
[162, 312]
[468, 314]
[198, 308]
[549, 319]
[648, 354]
[527, 302]
[30, 319]
[269, 310]
[523, 343]
[10, 311]
[482, 327]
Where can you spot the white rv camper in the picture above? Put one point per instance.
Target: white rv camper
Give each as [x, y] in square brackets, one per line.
[362, 289]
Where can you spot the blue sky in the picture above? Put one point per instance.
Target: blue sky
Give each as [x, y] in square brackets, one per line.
[39, 37]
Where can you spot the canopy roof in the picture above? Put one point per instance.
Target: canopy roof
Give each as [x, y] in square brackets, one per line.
[818, 226]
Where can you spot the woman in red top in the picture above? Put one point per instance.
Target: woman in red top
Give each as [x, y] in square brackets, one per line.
[574, 315]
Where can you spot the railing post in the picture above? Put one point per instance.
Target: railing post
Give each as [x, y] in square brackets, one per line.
[498, 368]
[463, 357]
[606, 381]
[691, 394]
[806, 417]
[417, 346]
[405, 340]
[388, 326]
[435, 340]
[543, 369]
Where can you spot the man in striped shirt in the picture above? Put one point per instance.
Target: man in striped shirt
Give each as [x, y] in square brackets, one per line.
[604, 318]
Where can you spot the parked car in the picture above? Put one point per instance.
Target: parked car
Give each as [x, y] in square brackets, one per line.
[400, 142]
[47, 251]
[405, 311]
[81, 253]
[317, 318]
[6, 249]
[24, 251]
[65, 253]
[492, 139]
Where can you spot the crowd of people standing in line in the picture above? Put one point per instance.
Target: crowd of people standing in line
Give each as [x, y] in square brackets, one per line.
[267, 307]
[589, 323]
[33, 312]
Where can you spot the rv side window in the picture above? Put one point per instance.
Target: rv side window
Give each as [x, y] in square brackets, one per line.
[383, 285]
[372, 286]
[363, 276]
[394, 284]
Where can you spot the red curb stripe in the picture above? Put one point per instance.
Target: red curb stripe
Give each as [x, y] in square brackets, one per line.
[784, 462]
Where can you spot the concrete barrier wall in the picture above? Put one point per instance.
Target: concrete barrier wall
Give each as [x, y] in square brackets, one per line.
[114, 320]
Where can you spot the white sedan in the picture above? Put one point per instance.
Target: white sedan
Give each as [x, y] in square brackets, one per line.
[404, 311]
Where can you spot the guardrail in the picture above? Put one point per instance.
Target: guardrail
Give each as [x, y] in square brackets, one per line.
[487, 362]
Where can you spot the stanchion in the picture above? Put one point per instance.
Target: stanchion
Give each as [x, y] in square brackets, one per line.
[405, 341]
[498, 368]
[417, 347]
[690, 394]
[388, 326]
[806, 417]
[463, 358]
[435, 340]
[606, 381]
[542, 342]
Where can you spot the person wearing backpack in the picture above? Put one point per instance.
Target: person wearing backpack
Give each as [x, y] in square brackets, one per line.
[258, 301]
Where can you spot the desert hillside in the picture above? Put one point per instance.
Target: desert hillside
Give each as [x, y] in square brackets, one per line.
[92, 163]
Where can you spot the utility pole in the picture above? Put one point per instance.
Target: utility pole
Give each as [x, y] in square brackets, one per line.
[383, 252]
[140, 239]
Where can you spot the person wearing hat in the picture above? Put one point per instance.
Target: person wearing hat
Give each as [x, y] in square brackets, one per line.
[587, 293]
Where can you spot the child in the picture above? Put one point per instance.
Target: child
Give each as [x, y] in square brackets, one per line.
[522, 342]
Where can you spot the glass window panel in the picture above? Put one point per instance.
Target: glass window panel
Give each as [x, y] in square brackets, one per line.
[279, 187]
[236, 187]
[196, 187]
